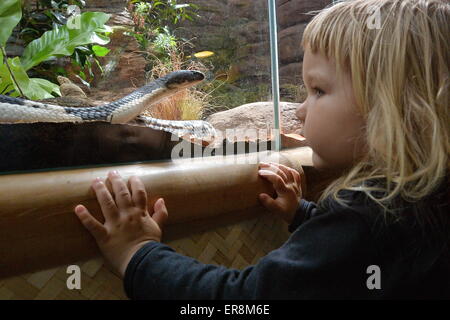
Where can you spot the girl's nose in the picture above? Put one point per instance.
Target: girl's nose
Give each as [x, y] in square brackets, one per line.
[301, 112]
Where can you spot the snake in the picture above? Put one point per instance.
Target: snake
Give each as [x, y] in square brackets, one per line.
[130, 107]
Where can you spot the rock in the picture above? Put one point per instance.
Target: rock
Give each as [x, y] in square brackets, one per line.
[101, 96]
[254, 10]
[254, 67]
[71, 96]
[124, 64]
[291, 23]
[252, 32]
[69, 89]
[106, 5]
[252, 50]
[256, 116]
[238, 30]
[290, 44]
[294, 12]
[293, 16]
[281, 2]
[291, 73]
[14, 45]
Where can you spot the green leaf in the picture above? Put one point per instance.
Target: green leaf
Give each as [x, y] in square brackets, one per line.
[100, 51]
[180, 6]
[82, 3]
[77, 61]
[62, 41]
[158, 3]
[29, 30]
[5, 77]
[99, 65]
[34, 89]
[46, 85]
[87, 84]
[22, 80]
[5, 80]
[10, 15]
[81, 58]
[89, 67]
[60, 18]
[5, 88]
[83, 49]
[54, 4]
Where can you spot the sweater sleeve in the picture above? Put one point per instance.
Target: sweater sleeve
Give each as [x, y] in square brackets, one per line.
[305, 211]
[326, 257]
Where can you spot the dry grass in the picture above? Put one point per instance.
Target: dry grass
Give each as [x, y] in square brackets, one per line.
[188, 104]
[185, 105]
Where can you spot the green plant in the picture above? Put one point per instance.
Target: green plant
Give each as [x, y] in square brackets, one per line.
[62, 40]
[164, 41]
[40, 16]
[154, 21]
[154, 14]
[44, 16]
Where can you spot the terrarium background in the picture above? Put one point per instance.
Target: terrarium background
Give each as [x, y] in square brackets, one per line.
[234, 27]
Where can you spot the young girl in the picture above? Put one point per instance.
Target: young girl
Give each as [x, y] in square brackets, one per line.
[377, 75]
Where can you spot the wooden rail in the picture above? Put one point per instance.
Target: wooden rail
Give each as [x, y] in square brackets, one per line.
[39, 230]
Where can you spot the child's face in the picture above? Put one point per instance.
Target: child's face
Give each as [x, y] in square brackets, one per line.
[332, 127]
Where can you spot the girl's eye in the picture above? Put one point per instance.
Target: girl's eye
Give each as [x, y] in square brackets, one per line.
[318, 92]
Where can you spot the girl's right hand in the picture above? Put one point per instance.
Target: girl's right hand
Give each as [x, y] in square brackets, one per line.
[287, 184]
[129, 222]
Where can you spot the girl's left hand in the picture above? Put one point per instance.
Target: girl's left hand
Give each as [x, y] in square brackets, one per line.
[128, 223]
[287, 184]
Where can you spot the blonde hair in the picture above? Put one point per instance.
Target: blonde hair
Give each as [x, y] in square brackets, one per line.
[400, 77]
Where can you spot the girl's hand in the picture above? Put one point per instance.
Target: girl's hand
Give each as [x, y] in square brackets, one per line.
[286, 182]
[128, 224]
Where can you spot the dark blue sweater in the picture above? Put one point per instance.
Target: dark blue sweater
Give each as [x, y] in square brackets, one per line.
[328, 255]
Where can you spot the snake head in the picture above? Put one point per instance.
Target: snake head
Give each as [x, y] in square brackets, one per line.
[183, 79]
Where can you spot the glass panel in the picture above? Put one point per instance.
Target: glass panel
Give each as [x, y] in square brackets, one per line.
[226, 40]
[293, 16]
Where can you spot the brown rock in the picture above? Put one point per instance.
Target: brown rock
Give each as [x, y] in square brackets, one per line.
[281, 2]
[106, 5]
[255, 66]
[254, 10]
[253, 32]
[211, 13]
[254, 49]
[256, 116]
[124, 64]
[294, 12]
[290, 44]
[291, 73]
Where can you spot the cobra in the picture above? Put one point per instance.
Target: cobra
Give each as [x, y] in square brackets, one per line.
[15, 110]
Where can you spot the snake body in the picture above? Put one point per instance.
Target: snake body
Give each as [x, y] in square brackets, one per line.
[15, 110]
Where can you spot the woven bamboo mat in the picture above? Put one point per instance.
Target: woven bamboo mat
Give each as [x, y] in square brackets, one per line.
[234, 246]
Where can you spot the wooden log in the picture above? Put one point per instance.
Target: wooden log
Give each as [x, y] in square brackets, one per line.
[39, 230]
